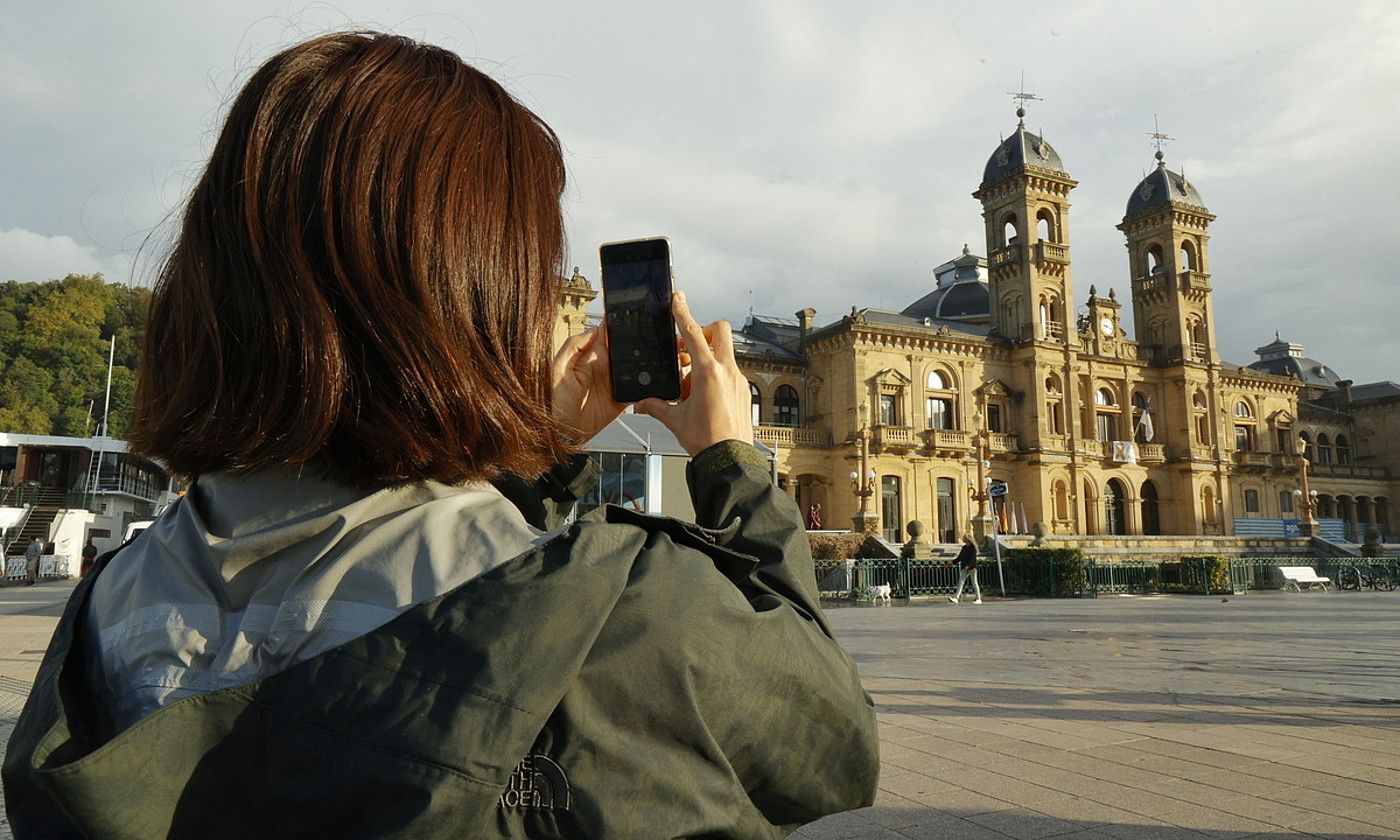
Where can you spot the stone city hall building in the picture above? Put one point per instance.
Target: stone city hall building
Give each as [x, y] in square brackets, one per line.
[998, 360]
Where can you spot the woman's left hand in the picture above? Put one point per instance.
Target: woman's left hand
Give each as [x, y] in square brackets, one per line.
[583, 385]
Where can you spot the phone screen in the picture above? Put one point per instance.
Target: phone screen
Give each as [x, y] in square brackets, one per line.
[641, 330]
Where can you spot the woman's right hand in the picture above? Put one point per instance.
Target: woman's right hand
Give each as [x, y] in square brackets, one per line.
[714, 405]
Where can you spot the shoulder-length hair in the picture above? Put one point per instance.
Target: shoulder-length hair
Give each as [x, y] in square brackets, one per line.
[365, 278]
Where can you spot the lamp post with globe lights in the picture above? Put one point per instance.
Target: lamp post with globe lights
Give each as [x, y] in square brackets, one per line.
[1306, 497]
[982, 522]
[863, 479]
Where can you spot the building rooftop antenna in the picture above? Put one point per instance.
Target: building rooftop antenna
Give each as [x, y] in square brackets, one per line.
[1021, 97]
[1158, 137]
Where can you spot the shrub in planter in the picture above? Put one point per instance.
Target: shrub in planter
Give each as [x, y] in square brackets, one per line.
[1205, 573]
[1043, 571]
[835, 546]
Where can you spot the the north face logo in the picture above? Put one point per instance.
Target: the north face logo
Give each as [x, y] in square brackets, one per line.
[538, 782]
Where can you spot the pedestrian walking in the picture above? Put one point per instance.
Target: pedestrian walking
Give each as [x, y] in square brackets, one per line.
[32, 553]
[967, 563]
[89, 555]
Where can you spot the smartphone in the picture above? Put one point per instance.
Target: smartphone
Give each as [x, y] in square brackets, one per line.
[641, 330]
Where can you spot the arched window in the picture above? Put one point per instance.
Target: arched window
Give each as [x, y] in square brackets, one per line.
[1061, 502]
[1324, 449]
[1188, 256]
[1198, 408]
[785, 406]
[1155, 263]
[1251, 501]
[1343, 450]
[1114, 497]
[947, 526]
[1106, 415]
[1008, 230]
[1307, 445]
[755, 402]
[1197, 330]
[1151, 515]
[939, 401]
[1044, 319]
[1054, 410]
[1141, 428]
[1246, 436]
[1045, 225]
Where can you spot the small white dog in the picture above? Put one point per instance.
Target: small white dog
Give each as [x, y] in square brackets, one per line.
[879, 591]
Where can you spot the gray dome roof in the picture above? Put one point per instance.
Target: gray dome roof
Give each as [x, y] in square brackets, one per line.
[1161, 187]
[1310, 371]
[1021, 149]
[955, 301]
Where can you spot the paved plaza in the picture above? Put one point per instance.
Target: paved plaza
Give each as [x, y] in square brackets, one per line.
[1262, 716]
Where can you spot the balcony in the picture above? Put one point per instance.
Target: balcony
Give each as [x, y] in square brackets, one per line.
[1003, 442]
[1091, 448]
[1253, 460]
[1194, 281]
[790, 436]
[1152, 453]
[1198, 351]
[1009, 255]
[1202, 453]
[1051, 253]
[1347, 471]
[1152, 283]
[896, 438]
[947, 441]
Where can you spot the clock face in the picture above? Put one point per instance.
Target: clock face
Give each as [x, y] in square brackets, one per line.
[1106, 325]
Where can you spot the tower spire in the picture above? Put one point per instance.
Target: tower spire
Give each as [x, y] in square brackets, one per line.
[1158, 137]
[1021, 97]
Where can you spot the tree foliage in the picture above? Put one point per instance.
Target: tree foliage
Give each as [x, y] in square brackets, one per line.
[54, 341]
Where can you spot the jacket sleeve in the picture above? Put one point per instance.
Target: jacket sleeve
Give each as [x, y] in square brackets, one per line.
[800, 731]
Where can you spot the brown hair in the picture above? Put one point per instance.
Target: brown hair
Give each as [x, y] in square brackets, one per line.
[365, 278]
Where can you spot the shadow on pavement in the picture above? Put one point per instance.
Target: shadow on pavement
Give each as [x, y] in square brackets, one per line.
[893, 823]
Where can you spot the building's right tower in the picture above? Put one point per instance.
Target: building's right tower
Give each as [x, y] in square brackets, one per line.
[1169, 260]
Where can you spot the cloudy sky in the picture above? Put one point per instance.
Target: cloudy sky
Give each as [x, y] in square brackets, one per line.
[796, 153]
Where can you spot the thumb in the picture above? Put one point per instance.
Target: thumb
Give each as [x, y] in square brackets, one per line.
[655, 407]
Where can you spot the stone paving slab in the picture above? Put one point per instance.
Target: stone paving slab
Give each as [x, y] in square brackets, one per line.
[1170, 718]
[1173, 719]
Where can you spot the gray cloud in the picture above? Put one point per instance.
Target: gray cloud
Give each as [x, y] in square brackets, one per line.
[796, 153]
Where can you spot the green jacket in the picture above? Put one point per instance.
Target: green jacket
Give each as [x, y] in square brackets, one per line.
[636, 676]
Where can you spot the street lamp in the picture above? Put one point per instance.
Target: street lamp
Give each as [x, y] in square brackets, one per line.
[863, 480]
[981, 523]
[1307, 513]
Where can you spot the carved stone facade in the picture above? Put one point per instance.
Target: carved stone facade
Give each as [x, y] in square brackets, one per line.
[1060, 399]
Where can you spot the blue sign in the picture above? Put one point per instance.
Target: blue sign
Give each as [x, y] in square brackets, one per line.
[998, 488]
[1290, 528]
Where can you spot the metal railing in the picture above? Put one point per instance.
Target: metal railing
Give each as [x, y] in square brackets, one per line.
[1088, 577]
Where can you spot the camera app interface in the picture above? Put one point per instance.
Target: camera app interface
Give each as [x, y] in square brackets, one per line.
[641, 337]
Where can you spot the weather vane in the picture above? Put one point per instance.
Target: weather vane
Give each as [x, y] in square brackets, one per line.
[1021, 97]
[1158, 137]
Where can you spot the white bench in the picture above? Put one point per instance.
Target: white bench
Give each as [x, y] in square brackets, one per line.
[1294, 575]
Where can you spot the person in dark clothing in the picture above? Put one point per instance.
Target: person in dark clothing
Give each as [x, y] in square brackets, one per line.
[967, 566]
[371, 615]
[89, 555]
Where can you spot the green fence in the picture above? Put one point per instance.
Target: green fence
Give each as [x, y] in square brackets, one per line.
[1067, 574]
